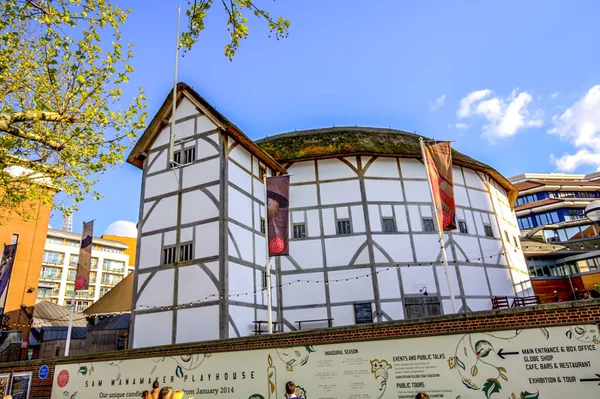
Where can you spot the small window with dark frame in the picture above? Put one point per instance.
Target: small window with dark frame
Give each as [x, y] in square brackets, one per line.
[14, 239]
[262, 226]
[185, 253]
[428, 225]
[262, 171]
[299, 230]
[516, 241]
[506, 236]
[176, 159]
[462, 227]
[264, 280]
[488, 230]
[189, 155]
[343, 226]
[388, 225]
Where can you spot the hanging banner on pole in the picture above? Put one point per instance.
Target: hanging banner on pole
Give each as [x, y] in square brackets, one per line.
[6, 266]
[438, 158]
[278, 194]
[85, 257]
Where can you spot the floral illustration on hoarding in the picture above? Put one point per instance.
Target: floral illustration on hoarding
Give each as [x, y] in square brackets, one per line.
[478, 362]
[295, 356]
[300, 393]
[584, 333]
[379, 369]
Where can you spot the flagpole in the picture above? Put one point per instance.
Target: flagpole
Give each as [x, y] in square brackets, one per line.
[174, 105]
[70, 328]
[439, 229]
[268, 261]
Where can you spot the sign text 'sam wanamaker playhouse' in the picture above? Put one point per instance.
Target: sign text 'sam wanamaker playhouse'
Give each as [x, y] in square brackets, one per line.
[361, 229]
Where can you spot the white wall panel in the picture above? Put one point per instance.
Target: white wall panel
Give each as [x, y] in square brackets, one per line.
[240, 207]
[401, 220]
[158, 291]
[389, 286]
[240, 279]
[307, 253]
[412, 169]
[242, 317]
[415, 218]
[358, 219]
[149, 251]
[298, 294]
[383, 167]
[341, 250]
[396, 245]
[473, 180]
[343, 315]
[241, 156]
[204, 124]
[163, 216]
[474, 280]
[441, 275]
[243, 239]
[414, 278]
[183, 109]
[340, 192]
[242, 179]
[162, 138]
[196, 206]
[313, 224]
[334, 169]
[426, 211]
[500, 281]
[293, 315]
[192, 324]
[329, 227]
[393, 309]
[384, 190]
[160, 163]
[301, 172]
[460, 196]
[353, 290]
[427, 247]
[457, 175]
[477, 305]
[417, 191]
[153, 329]
[205, 149]
[301, 196]
[200, 173]
[480, 200]
[207, 240]
[184, 130]
[374, 217]
[162, 183]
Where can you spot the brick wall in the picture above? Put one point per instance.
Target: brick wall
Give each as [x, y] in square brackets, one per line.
[534, 316]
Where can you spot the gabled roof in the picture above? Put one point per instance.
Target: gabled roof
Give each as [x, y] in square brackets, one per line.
[116, 300]
[164, 113]
[52, 321]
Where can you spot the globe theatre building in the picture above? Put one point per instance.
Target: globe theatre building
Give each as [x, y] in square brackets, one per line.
[361, 229]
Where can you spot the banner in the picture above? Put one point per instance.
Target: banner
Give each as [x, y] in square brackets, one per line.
[278, 194]
[6, 266]
[534, 363]
[438, 157]
[85, 257]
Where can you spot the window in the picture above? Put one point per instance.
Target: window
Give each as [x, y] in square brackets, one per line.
[264, 280]
[72, 274]
[185, 253]
[50, 273]
[44, 292]
[462, 227]
[422, 306]
[14, 239]
[74, 260]
[388, 225]
[53, 257]
[52, 240]
[104, 290]
[343, 226]
[262, 171]
[506, 236]
[113, 265]
[262, 225]
[516, 241]
[176, 158]
[428, 225]
[189, 155]
[488, 230]
[111, 279]
[93, 276]
[299, 230]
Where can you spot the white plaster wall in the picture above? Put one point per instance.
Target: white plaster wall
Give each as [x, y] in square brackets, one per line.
[243, 239]
[158, 160]
[427, 247]
[183, 109]
[293, 315]
[241, 156]
[240, 278]
[415, 278]
[334, 169]
[195, 284]
[307, 253]
[343, 315]
[384, 190]
[358, 219]
[158, 291]
[441, 275]
[301, 196]
[401, 219]
[472, 179]
[329, 226]
[152, 329]
[300, 294]
[242, 317]
[417, 191]
[160, 184]
[474, 280]
[196, 205]
[383, 167]
[353, 290]
[149, 251]
[197, 324]
[302, 172]
[205, 147]
[500, 281]
[239, 207]
[200, 173]
[340, 192]
[241, 178]
[163, 216]
[395, 245]
[412, 169]
[340, 250]
[207, 240]
[393, 309]
[389, 286]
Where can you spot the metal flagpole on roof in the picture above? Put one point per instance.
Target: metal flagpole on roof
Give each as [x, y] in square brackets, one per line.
[268, 261]
[439, 229]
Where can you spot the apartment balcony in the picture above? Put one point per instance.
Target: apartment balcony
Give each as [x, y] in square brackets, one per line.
[50, 277]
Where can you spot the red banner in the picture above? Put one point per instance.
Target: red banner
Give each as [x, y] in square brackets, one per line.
[438, 157]
[278, 193]
[85, 257]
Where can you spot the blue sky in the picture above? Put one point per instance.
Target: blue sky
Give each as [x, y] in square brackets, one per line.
[513, 83]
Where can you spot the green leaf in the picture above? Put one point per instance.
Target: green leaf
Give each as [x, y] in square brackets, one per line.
[490, 387]
[483, 348]
[530, 395]
[460, 364]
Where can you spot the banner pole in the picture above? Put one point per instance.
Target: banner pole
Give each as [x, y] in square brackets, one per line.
[174, 105]
[439, 229]
[268, 261]
[70, 328]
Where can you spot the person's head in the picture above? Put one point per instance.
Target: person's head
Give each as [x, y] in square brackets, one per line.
[178, 394]
[290, 388]
[586, 295]
[8, 397]
[422, 395]
[155, 385]
[146, 395]
[165, 393]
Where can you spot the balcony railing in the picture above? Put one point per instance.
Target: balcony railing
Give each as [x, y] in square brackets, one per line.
[50, 276]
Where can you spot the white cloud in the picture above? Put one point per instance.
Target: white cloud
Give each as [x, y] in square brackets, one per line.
[122, 228]
[504, 116]
[461, 126]
[437, 103]
[554, 95]
[579, 125]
